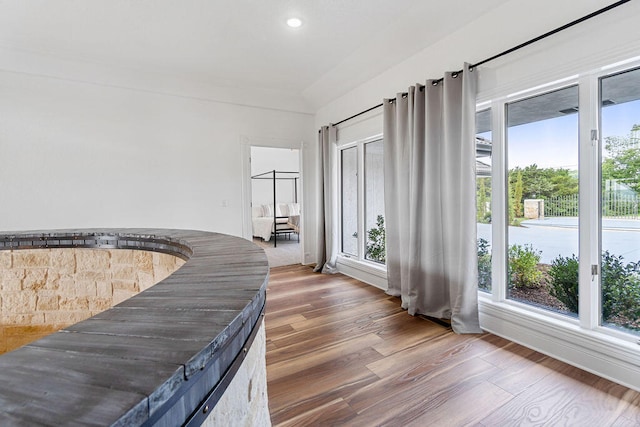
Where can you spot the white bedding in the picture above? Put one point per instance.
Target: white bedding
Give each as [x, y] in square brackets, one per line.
[262, 219]
[263, 226]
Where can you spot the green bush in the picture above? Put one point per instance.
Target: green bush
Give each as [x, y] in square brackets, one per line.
[376, 242]
[620, 288]
[484, 265]
[564, 281]
[523, 266]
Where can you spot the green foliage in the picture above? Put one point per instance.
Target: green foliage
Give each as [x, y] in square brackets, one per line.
[564, 281]
[620, 288]
[483, 195]
[518, 210]
[510, 208]
[622, 162]
[484, 265]
[523, 266]
[544, 183]
[376, 242]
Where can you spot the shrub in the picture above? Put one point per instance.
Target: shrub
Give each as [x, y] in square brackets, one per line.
[564, 281]
[484, 265]
[523, 266]
[376, 242]
[620, 288]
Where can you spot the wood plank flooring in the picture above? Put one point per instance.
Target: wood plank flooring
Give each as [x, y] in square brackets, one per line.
[342, 353]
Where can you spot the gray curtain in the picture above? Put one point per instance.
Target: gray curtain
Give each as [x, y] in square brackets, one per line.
[429, 169]
[327, 248]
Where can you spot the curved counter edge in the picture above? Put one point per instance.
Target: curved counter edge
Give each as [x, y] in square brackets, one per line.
[162, 357]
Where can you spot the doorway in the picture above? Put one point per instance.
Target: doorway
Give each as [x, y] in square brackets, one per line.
[275, 196]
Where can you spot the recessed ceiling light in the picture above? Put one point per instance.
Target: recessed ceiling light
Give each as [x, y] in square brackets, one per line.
[294, 22]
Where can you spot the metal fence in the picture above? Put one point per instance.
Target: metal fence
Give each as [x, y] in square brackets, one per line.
[614, 205]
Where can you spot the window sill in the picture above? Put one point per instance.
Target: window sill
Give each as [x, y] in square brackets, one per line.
[368, 272]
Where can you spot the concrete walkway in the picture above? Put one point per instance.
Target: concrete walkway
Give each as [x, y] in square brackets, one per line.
[559, 237]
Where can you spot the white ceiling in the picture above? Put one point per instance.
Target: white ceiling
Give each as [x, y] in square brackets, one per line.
[235, 43]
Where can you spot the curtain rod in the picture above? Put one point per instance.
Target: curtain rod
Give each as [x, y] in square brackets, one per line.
[513, 49]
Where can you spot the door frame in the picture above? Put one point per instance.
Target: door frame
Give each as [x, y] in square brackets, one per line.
[254, 141]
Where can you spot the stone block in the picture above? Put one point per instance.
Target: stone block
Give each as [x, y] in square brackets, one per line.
[62, 283]
[104, 289]
[63, 260]
[34, 279]
[33, 258]
[65, 318]
[5, 259]
[94, 275]
[122, 256]
[126, 285]
[85, 288]
[92, 259]
[98, 305]
[10, 285]
[73, 303]
[123, 272]
[9, 318]
[14, 273]
[145, 280]
[19, 302]
[47, 302]
[143, 261]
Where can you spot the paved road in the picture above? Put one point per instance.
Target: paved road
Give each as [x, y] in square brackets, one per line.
[559, 236]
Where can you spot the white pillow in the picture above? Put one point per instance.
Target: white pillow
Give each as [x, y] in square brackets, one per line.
[267, 210]
[294, 209]
[283, 208]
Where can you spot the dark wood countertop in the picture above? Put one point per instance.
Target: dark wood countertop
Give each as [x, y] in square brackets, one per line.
[152, 358]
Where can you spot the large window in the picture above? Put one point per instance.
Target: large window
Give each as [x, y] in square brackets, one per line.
[542, 200]
[566, 248]
[362, 201]
[619, 200]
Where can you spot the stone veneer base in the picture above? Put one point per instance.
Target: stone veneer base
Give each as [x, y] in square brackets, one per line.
[156, 358]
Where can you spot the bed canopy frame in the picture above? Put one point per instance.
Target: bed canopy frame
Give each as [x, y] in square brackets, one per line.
[275, 176]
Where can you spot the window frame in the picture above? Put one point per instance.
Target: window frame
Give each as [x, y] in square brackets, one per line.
[590, 224]
[346, 260]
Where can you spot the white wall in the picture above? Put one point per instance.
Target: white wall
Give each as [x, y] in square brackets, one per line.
[79, 154]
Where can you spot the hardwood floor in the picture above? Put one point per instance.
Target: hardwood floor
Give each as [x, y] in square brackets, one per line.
[340, 352]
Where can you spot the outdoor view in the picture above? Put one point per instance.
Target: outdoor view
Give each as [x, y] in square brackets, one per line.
[483, 199]
[543, 203]
[349, 184]
[374, 201]
[620, 262]
[542, 152]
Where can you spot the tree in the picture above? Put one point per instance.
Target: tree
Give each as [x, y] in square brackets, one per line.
[517, 196]
[622, 162]
[483, 195]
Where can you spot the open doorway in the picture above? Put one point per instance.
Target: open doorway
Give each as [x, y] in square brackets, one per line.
[275, 203]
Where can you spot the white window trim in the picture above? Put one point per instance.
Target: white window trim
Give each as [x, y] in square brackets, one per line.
[358, 267]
